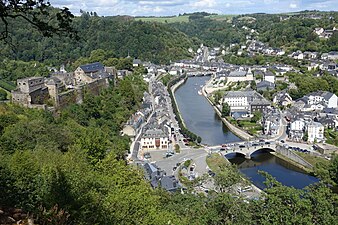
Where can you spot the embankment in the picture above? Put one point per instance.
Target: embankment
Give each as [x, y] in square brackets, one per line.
[240, 133]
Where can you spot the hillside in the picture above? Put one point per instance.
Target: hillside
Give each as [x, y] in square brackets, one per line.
[118, 35]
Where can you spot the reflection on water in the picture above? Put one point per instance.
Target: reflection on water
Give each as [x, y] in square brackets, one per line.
[199, 115]
[200, 118]
[283, 171]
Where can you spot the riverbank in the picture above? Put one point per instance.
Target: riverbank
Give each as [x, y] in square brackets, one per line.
[237, 131]
[173, 89]
[172, 86]
[293, 163]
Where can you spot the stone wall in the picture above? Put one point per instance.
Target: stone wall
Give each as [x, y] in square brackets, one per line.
[293, 156]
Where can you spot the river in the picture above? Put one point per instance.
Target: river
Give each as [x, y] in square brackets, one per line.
[200, 118]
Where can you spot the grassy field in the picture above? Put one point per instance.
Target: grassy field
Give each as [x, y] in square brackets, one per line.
[216, 162]
[221, 17]
[173, 19]
[312, 159]
[183, 19]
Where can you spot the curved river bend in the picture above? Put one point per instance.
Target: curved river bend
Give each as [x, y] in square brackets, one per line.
[200, 118]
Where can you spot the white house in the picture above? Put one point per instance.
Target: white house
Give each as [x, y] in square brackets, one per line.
[297, 128]
[136, 62]
[319, 30]
[282, 99]
[154, 139]
[245, 101]
[328, 98]
[239, 75]
[315, 132]
[269, 76]
[297, 125]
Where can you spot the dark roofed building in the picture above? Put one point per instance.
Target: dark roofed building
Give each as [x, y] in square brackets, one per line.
[88, 73]
[92, 67]
[169, 183]
[265, 85]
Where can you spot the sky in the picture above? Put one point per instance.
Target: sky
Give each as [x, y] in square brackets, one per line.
[175, 7]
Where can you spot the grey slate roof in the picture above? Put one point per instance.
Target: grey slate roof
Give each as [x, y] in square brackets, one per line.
[92, 67]
[240, 94]
[237, 74]
[265, 84]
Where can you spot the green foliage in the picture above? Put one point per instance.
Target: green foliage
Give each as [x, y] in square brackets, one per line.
[295, 33]
[119, 36]
[218, 96]
[183, 129]
[8, 86]
[11, 70]
[256, 117]
[227, 177]
[306, 84]
[209, 31]
[165, 79]
[177, 148]
[3, 95]
[225, 109]
[187, 163]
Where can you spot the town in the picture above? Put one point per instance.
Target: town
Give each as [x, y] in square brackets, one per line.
[249, 98]
[197, 118]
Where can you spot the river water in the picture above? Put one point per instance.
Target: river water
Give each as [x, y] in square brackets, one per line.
[200, 118]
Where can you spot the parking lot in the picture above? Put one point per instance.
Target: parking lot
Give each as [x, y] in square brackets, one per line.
[168, 163]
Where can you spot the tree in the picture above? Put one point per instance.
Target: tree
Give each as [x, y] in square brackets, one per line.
[37, 13]
[253, 85]
[226, 177]
[218, 96]
[199, 139]
[225, 109]
[257, 116]
[3, 95]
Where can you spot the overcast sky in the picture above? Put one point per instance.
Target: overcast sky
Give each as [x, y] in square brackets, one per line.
[174, 7]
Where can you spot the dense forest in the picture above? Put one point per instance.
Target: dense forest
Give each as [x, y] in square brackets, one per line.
[118, 35]
[294, 32]
[121, 36]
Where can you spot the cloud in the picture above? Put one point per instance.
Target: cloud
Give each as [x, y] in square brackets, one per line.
[293, 5]
[174, 7]
[203, 3]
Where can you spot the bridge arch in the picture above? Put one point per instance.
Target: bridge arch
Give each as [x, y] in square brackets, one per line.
[248, 151]
[261, 149]
[234, 152]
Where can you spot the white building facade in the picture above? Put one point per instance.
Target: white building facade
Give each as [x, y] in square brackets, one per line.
[155, 139]
[315, 132]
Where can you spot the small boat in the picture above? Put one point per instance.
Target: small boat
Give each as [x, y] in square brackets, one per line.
[200, 92]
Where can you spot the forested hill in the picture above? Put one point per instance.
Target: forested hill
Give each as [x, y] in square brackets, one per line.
[118, 35]
[162, 42]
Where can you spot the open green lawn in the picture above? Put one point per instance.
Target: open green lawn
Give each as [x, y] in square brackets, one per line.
[312, 159]
[221, 17]
[173, 19]
[182, 19]
[216, 162]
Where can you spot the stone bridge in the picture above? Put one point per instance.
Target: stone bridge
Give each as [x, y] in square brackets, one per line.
[199, 73]
[246, 148]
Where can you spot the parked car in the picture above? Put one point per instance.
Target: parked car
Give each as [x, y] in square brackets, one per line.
[147, 155]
